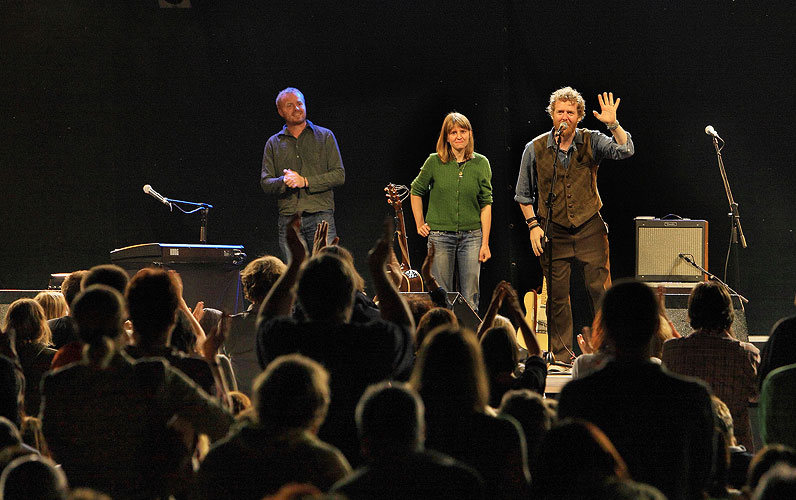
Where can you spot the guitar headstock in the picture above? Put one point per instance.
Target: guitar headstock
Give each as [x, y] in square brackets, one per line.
[394, 194]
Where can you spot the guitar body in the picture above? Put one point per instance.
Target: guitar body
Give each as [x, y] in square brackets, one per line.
[411, 281]
[536, 315]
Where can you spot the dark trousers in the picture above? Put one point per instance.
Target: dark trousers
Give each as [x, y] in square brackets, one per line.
[588, 245]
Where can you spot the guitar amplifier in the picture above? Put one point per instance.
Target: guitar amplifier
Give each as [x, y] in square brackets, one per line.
[659, 243]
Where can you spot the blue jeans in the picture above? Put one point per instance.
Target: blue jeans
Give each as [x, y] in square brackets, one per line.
[456, 265]
[308, 224]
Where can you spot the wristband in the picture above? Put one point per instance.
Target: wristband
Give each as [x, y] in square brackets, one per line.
[531, 219]
[531, 227]
[612, 126]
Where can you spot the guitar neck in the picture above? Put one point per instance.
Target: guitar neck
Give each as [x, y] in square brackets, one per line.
[402, 243]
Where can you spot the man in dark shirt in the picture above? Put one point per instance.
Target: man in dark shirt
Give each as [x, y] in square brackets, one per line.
[356, 354]
[661, 424]
[391, 423]
[301, 165]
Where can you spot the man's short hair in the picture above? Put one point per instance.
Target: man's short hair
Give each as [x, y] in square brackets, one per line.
[152, 300]
[710, 306]
[99, 312]
[71, 285]
[106, 274]
[292, 393]
[288, 90]
[630, 315]
[325, 287]
[391, 415]
[570, 95]
[259, 276]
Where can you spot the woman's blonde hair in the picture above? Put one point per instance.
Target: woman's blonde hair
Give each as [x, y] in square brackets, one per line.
[454, 119]
[53, 303]
[27, 319]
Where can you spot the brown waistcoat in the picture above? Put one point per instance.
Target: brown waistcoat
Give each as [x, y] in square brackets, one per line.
[576, 197]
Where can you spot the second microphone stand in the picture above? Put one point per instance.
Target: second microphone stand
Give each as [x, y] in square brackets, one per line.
[203, 208]
[736, 234]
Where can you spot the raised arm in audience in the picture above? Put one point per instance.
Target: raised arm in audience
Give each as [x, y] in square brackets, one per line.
[392, 305]
[280, 299]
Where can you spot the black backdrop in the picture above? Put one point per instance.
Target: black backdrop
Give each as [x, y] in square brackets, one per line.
[100, 98]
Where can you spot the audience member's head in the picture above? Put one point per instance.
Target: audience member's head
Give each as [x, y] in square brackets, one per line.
[664, 333]
[419, 305]
[292, 393]
[434, 317]
[779, 483]
[106, 274]
[152, 301]
[71, 285]
[53, 303]
[630, 313]
[259, 276]
[779, 349]
[449, 372]
[710, 307]
[765, 459]
[503, 321]
[326, 288]
[595, 461]
[345, 255]
[529, 409]
[99, 314]
[499, 347]
[28, 320]
[33, 476]
[390, 420]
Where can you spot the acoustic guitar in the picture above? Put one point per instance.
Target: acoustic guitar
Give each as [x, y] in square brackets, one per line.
[536, 316]
[411, 281]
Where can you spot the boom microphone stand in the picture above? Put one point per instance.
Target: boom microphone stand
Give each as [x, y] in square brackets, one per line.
[689, 258]
[736, 232]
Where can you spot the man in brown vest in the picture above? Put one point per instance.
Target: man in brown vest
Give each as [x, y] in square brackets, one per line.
[576, 228]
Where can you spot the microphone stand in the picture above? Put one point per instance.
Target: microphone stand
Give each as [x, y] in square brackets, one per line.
[685, 257]
[551, 324]
[203, 207]
[736, 232]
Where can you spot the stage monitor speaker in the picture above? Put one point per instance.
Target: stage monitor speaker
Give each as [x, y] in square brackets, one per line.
[677, 311]
[9, 296]
[461, 308]
[659, 243]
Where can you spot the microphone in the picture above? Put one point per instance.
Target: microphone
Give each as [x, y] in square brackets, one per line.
[712, 132]
[684, 257]
[561, 127]
[151, 192]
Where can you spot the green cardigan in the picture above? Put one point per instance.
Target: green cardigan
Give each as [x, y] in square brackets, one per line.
[455, 201]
